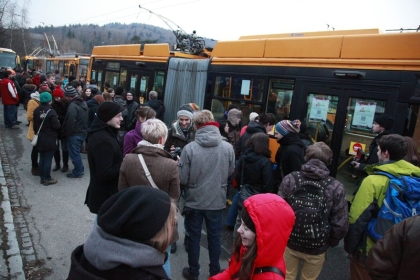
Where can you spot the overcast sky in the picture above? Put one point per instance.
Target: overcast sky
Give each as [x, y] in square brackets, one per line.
[229, 19]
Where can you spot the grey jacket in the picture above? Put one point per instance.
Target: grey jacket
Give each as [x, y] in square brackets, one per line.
[204, 168]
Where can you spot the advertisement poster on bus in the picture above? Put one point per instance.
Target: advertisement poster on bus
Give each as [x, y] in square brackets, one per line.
[364, 113]
[319, 109]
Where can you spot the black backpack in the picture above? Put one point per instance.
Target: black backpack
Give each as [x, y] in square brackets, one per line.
[311, 229]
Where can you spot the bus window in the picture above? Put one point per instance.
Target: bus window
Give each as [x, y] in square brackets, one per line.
[112, 77]
[279, 98]
[61, 67]
[239, 88]
[99, 80]
[320, 116]
[143, 87]
[159, 82]
[66, 68]
[73, 70]
[123, 77]
[50, 66]
[83, 67]
[133, 83]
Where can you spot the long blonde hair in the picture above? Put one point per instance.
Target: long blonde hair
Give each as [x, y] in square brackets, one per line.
[163, 238]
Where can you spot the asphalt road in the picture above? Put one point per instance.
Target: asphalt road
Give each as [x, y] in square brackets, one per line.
[58, 221]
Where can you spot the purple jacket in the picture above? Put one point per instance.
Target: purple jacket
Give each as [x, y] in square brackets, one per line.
[132, 138]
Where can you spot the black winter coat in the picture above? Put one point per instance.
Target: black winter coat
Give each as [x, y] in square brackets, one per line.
[257, 171]
[158, 106]
[81, 269]
[373, 150]
[289, 156]
[61, 109]
[105, 158]
[47, 138]
[75, 122]
[130, 119]
[252, 128]
[92, 109]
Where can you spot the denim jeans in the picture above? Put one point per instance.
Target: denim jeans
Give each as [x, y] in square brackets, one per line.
[9, 114]
[45, 160]
[233, 211]
[193, 224]
[74, 143]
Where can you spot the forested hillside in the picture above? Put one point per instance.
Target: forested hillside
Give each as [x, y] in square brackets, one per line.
[82, 38]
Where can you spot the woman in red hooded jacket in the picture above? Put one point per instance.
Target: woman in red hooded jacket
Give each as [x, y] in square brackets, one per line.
[262, 239]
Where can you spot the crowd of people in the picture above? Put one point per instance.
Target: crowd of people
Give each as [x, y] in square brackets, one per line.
[285, 215]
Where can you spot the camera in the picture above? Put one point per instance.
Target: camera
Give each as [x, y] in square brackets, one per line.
[176, 153]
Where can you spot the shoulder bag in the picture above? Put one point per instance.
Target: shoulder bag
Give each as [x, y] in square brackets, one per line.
[34, 140]
[146, 170]
[245, 190]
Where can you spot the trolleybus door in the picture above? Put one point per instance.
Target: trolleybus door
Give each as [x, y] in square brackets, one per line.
[343, 119]
[139, 84]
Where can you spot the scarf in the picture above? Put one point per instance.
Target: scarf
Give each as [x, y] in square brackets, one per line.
[147, 143]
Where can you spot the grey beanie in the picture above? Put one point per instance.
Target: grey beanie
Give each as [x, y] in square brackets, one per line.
[70, 91]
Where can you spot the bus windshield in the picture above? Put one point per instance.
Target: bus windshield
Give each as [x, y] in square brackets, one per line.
[7, 59]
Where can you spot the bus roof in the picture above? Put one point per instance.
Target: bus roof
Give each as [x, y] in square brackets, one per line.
[135, 51]
[7, 50]
[367, 51]
[311, 34]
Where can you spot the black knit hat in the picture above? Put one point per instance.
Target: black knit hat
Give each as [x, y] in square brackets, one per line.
[136, 213]
[108, 110]
[385, 120]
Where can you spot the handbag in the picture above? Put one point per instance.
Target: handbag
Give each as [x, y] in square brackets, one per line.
[34, 140]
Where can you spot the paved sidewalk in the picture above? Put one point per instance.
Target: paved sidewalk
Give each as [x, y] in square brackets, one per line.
[11, 265]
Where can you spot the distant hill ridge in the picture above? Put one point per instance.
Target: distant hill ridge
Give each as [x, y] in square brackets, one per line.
[82, 38]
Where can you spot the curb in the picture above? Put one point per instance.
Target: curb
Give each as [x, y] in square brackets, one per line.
[13, 259]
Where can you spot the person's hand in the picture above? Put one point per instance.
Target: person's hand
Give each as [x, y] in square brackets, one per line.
[226, 128]
[355, 164]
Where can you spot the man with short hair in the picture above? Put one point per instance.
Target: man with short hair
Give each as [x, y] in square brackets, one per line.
[156, 105]
[204, 168]
[77, 85]
[391, 151]
[50, 79]
[74, 129]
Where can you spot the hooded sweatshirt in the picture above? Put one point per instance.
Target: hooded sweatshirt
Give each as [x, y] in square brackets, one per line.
[204, 167]
[272, 234]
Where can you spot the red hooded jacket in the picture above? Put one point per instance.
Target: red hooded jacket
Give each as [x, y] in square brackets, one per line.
[273, 219]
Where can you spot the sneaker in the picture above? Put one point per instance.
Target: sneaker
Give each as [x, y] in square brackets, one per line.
[187, 274]
[70, 175]
[229, 202]
[50, 182]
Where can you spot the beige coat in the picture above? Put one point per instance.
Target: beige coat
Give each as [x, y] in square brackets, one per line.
[32, 105]
[162, 168]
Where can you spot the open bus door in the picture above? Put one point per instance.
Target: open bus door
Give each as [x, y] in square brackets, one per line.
[343, 119]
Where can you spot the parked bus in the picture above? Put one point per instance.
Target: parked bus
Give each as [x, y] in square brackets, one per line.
[8, 58]
[134, 67]
[335, 83]
[74, 65]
